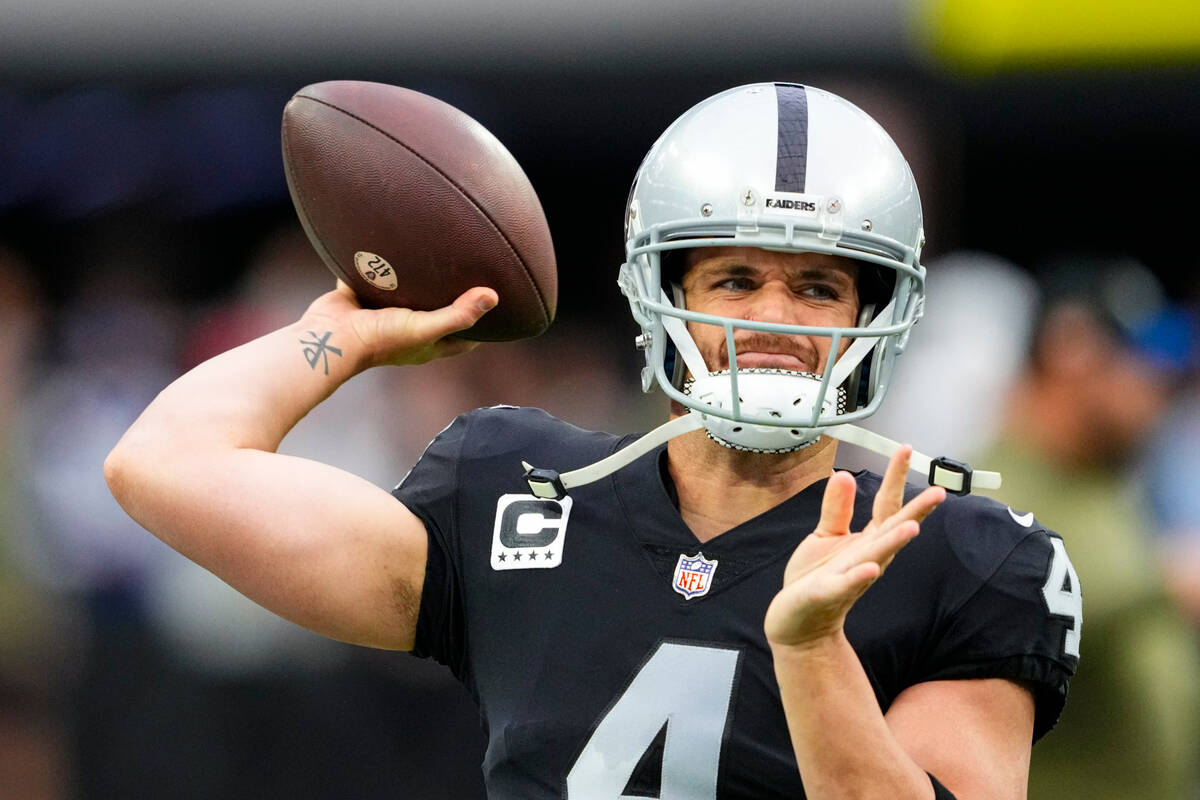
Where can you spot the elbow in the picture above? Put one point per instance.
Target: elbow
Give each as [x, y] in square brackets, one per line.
[116, 473]
[131, 472]
[127, 467]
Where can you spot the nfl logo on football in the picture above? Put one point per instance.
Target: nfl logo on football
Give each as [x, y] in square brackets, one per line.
[693, 575]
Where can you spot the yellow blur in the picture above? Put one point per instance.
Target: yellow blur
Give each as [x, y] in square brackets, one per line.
[990, 35]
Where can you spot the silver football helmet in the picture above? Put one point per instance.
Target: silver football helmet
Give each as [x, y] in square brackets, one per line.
[784, 167]
[790, 168]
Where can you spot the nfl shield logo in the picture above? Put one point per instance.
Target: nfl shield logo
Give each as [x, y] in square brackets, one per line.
[693, 575]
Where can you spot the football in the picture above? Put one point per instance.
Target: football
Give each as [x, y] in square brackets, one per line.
[411, 202]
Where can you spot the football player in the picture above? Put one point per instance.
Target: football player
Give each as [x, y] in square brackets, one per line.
[709, 610]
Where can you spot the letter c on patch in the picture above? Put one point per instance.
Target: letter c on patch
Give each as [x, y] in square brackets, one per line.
[531, 523]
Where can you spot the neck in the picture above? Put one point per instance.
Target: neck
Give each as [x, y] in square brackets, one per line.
[720, 488]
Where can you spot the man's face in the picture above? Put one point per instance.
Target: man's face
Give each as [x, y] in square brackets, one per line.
[766, 286]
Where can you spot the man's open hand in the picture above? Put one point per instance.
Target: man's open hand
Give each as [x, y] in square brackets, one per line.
[832, 567]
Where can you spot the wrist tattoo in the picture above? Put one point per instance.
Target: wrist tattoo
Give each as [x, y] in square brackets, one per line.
[318, 350]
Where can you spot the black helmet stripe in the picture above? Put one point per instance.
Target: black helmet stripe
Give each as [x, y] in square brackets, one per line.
[791, 158]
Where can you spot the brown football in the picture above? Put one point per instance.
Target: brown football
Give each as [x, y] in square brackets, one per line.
[411, 202]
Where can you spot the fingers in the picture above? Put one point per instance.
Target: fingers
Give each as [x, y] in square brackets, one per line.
[405, 336]
[806, 611]
[851, 584]
[841, 588]
[890, 496]
[837, 506]
[820, 588]
[907, 518]
[889, 508]
[878, 548]
[464, 312]
[919, 507]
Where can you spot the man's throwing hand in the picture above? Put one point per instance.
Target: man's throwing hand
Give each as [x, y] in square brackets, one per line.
[832, 567]
[402, 335]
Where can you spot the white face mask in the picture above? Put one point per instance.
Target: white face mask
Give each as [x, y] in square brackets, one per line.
[762, 393]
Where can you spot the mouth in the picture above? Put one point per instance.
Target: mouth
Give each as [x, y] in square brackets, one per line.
[762, 360]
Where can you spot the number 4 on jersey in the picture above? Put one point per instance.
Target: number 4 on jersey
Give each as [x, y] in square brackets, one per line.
[685, 688]
[1063, 596]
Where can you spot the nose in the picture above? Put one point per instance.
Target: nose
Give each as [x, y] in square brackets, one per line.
[773, 301]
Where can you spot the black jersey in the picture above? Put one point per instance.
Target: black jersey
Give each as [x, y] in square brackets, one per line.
[614, 655]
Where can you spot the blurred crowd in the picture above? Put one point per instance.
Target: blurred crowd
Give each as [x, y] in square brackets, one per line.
[126, 671]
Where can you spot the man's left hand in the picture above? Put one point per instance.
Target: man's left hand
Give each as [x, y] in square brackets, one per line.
[832, 567]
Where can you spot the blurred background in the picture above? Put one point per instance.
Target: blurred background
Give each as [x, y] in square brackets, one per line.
[145, 225]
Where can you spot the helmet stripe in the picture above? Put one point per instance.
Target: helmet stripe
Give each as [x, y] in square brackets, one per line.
[791, 157]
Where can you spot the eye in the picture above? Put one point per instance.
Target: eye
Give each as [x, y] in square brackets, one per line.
[737, 283]
[819, 291]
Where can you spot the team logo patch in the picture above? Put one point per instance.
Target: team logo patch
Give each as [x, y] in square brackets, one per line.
[693, 575]
[529, 532]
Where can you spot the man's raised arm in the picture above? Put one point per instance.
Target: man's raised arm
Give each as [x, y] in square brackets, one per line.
[316, 545]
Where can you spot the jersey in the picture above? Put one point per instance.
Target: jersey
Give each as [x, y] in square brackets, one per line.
[614, 655]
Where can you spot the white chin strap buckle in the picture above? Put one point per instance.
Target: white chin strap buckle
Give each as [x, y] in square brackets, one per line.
[763, 394]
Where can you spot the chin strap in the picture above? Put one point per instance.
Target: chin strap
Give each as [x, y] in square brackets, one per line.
[955, 476]
[548, 483]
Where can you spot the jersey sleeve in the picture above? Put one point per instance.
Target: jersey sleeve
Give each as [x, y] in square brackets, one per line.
[430, 490]
[1013, 610]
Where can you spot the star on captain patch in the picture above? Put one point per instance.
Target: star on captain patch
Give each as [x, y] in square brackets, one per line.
[693, 575]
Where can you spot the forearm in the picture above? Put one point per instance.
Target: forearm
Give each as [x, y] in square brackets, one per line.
[843, 745]
[251, 396]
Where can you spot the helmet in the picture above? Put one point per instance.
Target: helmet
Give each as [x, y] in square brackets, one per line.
[790, 168]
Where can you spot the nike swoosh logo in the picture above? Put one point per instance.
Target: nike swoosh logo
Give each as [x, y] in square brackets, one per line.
[1024, 520]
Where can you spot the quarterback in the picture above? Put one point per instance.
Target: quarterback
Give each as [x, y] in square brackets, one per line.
[709, 610]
